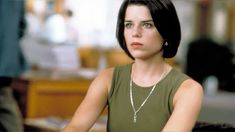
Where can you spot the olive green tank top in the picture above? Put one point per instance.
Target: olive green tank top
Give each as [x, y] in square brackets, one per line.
[153, 116]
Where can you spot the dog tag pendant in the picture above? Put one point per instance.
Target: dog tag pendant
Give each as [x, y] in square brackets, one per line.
[135, 118]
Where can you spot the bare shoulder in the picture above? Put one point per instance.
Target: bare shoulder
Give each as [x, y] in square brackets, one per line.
[106, 74]
[105, 77]
[191, 85]
[189, 89]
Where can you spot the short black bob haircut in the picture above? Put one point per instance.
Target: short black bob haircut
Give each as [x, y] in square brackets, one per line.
[165, 20]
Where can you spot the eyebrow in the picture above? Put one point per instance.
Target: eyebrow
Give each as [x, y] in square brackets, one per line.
[141, 21]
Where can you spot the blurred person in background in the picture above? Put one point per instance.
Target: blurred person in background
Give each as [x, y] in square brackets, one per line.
[54, 28]
[71, 27]
[60, 28]
[12, 62]
[206, 58]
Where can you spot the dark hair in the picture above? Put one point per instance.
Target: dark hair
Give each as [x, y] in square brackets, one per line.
[69, 13]
[165, 20]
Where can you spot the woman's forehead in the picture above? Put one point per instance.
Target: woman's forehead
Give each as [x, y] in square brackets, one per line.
[137, 12]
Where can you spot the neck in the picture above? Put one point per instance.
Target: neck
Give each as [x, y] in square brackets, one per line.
[146, 73]
[146, 63]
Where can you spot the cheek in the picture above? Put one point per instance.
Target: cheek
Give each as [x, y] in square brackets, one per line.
[154, 42]
[126, 36]
[151, 38]
[155, 38]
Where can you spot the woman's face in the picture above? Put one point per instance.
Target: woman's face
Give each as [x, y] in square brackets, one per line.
[142, 37]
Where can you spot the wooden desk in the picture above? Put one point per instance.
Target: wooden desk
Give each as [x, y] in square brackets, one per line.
[43, 97]
[54, 124]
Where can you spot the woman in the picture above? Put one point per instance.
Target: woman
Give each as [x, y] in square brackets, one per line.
[147, 95]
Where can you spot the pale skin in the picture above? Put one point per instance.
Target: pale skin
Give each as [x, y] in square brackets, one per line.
[149, 65]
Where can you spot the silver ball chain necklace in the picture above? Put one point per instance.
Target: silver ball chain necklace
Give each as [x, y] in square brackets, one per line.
[131, 97]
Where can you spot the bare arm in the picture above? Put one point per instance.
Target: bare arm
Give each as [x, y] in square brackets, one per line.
[92, 105]
[187, 104]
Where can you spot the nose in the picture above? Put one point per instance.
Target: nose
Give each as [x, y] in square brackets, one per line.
[136, 32]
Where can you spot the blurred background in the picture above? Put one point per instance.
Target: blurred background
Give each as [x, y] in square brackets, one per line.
[67, 42]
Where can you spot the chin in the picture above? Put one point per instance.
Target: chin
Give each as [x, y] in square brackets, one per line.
[144, 56]
[137, 55]
[140, 56]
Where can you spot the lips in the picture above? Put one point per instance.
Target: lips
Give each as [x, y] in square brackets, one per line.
[136, 45]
